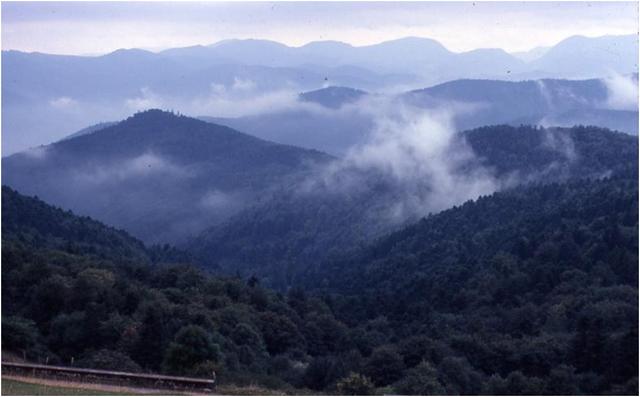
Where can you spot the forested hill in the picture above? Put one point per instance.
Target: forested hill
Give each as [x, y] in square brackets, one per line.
[534, 285]
[585, 223]
[76, 292]
[528, 291]
[158, 175]
[280, 237]
[553, 153]
[333, 97]
[29, 221]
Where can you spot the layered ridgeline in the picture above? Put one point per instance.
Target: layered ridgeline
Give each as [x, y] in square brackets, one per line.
[530, 291]
[160, 176]
[343, 117]
[601, 102]
[332, 119]
[241, 77]
[347, 206]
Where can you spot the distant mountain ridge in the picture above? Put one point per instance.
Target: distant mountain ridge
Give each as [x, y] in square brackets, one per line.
[333, 97]
[71, 92]
[349, 116]
[549, 102]
[416, 50]
[586, 57]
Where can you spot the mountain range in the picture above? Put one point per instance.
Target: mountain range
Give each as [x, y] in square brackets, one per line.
[574, 57]
[389, 219]
[230, 198]
[348, 116]
[227, 78]
[527, 291]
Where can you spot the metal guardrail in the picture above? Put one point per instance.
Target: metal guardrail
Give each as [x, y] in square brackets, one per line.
[109, 377]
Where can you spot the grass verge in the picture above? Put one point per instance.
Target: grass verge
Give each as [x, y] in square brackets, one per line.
[12, 387]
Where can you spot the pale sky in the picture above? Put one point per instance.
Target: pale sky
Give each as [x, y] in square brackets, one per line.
[101, 27]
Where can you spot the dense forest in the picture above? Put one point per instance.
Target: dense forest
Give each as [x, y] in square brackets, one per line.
[325, 215]
[533, 290]
[138, 174]
[279, 238]
[528, 291]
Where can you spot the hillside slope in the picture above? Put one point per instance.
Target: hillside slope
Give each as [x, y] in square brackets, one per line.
[523, 286]
[280, 238]
[28, 220]
[528, 291]
[77, 292]
[159, 176]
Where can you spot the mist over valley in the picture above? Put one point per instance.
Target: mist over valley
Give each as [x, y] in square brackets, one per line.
[321, 198]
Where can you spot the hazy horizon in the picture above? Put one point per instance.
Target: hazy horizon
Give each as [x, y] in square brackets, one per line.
[88, 28]
[159, 50]
[210, 70]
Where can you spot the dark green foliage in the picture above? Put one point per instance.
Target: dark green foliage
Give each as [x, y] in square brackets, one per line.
[355, 385]
[37, 223]
[192, 347]
[108, 360]
[280, 333]
[385, 366]
[92, 307]
[279, 239]
[415, 349]
[322, 372]
[19, 333]
[422, 381]
[153, 334]
[532, 290]
[458, 375]
[528, 291]
[553, 153]
[578, 227]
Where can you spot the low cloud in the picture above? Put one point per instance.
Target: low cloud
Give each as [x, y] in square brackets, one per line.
[217, 200]
[560, 143]
[221, 104]
[242, 97]
[416, 153]
[147, 100]
[63, 102]
[37, 153]
[622, 92]
[144, 165]
[243, 85]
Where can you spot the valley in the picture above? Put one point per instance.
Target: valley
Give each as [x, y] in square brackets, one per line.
[430, 198]
[346, 291]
